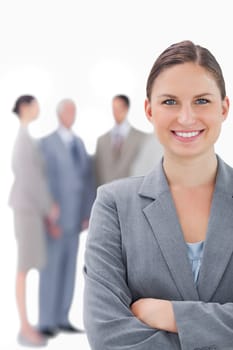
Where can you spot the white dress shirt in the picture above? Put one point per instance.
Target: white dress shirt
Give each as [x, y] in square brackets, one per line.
[120, 131]
[66, 135]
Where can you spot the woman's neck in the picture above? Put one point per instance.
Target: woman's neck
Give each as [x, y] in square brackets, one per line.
[25, 120]
[191, 172]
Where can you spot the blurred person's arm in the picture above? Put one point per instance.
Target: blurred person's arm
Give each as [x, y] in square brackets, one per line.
[30, 175]
[97, 164]
[51, 169]
[51, 222]
[89, 190]
[51, 178]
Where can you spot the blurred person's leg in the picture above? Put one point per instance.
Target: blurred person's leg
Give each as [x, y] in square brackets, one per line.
[49, 287]
[67, 283]
[30, 255]
[21, 299]
[27, 335]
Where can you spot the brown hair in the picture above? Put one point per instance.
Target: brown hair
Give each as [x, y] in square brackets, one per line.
[22, 100]
[124, 98]
[182, 52]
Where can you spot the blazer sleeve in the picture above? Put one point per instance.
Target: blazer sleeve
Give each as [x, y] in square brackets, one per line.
[108, 320]
[205, 325]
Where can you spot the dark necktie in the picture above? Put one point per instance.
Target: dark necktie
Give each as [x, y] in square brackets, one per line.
[74, 151]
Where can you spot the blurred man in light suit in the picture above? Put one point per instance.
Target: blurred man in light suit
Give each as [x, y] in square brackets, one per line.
[117, 149]
[69, 175]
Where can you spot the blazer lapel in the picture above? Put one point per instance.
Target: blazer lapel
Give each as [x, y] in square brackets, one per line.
[161, 215]
[58, 142]
[218, 247]
[62, 150]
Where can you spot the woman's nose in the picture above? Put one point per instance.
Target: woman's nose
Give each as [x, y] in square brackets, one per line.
[186, 116]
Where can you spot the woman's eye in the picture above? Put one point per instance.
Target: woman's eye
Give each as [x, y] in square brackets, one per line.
[202, 101]
[169, 102]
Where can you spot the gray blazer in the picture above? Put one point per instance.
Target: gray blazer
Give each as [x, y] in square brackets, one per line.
[108, 166]
[135, 249]
[30, 189]
[70, 184]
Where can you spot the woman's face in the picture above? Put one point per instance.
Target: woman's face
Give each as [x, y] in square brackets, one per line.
[186, 110]
[30, 110]
[34, 109]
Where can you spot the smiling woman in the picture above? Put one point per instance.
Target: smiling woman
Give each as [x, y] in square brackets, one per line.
[153, 240]
[187, 117]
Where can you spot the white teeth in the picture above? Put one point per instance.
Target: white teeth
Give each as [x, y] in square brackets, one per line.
[187, 134]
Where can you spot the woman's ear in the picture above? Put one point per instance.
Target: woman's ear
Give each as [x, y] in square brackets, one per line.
[148, 110]
[225, 108]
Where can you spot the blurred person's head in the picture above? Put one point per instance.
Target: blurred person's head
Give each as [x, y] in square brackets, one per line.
[66, 111]
[26, 108]
[120, 108]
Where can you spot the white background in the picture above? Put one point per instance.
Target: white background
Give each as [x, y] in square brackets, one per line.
[89, 50]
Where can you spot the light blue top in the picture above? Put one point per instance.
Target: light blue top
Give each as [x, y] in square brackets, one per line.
[195, 253]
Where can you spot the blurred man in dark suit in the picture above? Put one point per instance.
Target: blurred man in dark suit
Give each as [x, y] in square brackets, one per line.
[70, 180]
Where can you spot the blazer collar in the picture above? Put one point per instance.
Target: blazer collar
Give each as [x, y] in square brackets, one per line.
[162, 217]
[155, 183]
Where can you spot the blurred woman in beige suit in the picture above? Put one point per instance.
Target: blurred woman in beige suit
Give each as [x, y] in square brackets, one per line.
[32, 204]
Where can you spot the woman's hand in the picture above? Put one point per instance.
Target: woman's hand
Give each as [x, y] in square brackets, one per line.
[53, 229]
[85, 225]
[51, 222]
[156, 313]
[54, 213]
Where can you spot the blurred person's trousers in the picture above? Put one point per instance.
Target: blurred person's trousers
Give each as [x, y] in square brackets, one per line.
[57, 281]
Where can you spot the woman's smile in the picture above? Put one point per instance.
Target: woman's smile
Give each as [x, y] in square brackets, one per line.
[187, 136]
